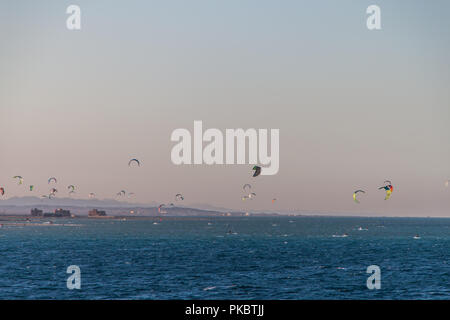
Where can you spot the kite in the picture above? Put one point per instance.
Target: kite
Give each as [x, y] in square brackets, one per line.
[160, 207]
[389, 188]
[257, 171]
[134, 161]
[179, 196]
[52, 179]
[20, 179]
[355, 193]
[251, 195]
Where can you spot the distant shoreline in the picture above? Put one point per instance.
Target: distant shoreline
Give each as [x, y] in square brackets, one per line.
[16, 217]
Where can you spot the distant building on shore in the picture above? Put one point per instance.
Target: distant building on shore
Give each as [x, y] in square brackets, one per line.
[97, 213]
[58, 213]
[36, 212]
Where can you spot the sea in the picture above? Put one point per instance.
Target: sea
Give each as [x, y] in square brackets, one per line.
[280, 258]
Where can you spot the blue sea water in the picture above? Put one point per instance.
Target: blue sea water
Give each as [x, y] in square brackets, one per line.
[197, 258]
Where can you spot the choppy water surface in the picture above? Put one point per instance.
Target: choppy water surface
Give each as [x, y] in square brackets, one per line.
[228, 258]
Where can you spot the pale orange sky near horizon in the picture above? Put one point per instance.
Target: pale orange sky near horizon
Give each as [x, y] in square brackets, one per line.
[354, 107]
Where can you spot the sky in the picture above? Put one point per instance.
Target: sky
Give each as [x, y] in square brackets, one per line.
[354, 107]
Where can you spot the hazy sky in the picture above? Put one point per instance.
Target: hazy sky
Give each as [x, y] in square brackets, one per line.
[354, 107]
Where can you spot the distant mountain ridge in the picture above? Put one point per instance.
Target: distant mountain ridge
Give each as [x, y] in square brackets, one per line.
[80, 207]
[32, 201]
[28, 201]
